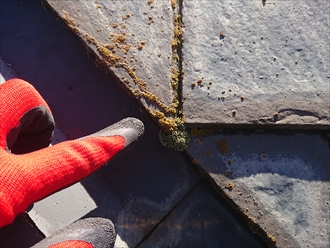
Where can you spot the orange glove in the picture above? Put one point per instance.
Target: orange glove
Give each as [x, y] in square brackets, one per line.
[28, 170]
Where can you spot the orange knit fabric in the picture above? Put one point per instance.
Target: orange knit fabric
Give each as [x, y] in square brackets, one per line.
[16, 98]
[72, 244]
[27, 178]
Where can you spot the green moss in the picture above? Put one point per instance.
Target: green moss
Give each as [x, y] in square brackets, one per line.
[178, 139]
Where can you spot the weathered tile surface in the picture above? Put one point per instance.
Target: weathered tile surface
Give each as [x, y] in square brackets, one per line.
[279, 182]
[261, 62]
[133, 41]
[141, 184]
[202, 219]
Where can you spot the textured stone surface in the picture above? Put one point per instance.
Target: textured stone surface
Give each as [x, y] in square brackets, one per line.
[279, 182]
[261, 62]
[202, 219]
[133, 41]
[254, 63]
[48, 213]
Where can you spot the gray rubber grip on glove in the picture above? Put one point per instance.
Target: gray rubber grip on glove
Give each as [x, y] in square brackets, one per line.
[130, 128]
[99, 232]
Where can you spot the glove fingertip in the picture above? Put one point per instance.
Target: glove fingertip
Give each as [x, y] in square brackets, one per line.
[130, 128]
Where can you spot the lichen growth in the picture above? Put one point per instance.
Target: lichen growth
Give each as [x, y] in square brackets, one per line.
[168, 125]
[70, 22]
[153, 98]
[208, 153]
[178, 139]
[195, 161]
[223, 146]
[177, 40]
[204, 131]
[272, 238]
[230, 186]
[175, 78]
[116, 61]
[173, 3]
[175, 71]
[170, 118]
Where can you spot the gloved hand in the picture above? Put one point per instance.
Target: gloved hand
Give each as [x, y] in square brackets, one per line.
[29, 169]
